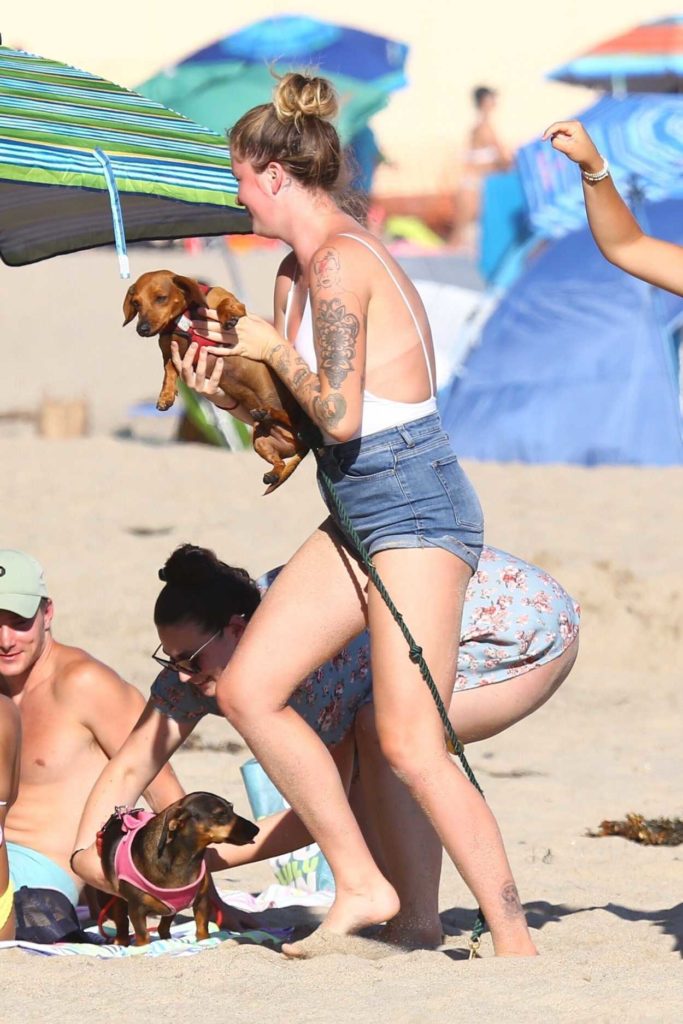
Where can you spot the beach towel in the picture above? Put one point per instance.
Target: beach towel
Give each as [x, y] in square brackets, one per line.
[182, 941]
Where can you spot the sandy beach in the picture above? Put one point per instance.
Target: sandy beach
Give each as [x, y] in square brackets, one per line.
[103, 511]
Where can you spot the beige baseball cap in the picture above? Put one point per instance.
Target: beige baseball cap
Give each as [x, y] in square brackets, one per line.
[22, 583]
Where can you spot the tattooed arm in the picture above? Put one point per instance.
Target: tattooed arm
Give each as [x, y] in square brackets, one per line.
[339, 290]
[339, 297]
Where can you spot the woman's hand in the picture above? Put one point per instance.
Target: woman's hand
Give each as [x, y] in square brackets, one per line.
[251, 337]
[196, 376]
[88, 866]
[572, 139]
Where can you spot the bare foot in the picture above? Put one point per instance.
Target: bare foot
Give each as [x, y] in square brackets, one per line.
[350, 913]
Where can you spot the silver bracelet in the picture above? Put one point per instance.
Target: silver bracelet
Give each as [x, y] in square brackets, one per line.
[599, 175]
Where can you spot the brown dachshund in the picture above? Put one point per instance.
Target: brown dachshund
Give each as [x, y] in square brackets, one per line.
[158, 299]
[156, 862]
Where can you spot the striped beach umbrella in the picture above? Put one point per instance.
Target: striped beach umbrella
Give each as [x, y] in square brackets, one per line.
[85, 163]
[642, 138]
[648, 58]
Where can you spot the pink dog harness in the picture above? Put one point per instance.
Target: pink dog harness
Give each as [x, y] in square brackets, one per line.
[126, 871]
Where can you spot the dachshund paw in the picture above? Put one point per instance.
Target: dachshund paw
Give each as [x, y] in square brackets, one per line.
[271, 478]
[165, 403]
[261, 416]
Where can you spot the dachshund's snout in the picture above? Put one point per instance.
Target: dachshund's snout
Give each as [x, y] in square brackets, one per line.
[144, 328]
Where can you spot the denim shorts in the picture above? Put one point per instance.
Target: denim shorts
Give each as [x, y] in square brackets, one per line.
[404, 488]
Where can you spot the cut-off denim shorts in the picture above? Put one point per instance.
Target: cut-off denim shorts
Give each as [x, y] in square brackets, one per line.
[404, 488]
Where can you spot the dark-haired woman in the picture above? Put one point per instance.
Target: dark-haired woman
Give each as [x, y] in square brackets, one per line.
[351, 340]
[519, 630]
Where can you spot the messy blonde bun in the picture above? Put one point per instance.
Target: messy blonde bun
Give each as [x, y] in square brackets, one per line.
[298, 96]
[295, 130]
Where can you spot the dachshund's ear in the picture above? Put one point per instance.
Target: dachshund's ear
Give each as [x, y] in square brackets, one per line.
[193, 293]
[128, 307]
[172, 823]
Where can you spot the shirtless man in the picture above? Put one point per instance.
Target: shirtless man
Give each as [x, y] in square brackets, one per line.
[75, 714]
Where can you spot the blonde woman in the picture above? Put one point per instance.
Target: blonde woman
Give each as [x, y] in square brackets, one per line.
[351, 340]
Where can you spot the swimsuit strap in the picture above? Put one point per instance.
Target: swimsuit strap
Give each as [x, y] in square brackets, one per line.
[288, 305]
[362, 241]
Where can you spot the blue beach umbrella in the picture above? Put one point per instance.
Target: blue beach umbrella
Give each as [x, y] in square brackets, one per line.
[220, 82]
[335, 49]
[648, 58]
[85, 162]
[642, 138]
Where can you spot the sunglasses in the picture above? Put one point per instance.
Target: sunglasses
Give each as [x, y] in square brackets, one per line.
[188, 666]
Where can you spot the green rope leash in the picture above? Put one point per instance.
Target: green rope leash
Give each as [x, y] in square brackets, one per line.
[415, 655]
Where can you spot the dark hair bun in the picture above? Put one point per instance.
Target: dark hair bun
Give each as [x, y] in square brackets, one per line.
[191, 566]
[202, 588]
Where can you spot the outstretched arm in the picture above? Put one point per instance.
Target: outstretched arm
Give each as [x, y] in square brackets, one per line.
[615, 230]
[130, 771]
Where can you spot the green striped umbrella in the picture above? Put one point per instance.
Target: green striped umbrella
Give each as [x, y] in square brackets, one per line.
[84, 162]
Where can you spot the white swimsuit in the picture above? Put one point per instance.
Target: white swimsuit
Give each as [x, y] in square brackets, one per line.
[378, 413]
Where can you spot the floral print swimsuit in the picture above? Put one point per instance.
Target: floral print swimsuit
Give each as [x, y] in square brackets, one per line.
[516, 617]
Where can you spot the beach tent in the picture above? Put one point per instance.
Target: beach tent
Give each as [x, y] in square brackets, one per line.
[579, 363]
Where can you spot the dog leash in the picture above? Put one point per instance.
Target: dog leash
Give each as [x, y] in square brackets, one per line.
[414, 653]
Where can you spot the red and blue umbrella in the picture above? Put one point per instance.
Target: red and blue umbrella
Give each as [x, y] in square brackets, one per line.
[648, 58]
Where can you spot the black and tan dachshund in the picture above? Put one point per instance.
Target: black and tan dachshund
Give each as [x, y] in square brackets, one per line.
[155, 862]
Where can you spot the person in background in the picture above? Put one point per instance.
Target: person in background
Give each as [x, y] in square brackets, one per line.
[485, 154]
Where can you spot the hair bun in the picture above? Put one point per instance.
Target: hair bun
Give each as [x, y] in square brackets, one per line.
[297, 96]
[190, 566]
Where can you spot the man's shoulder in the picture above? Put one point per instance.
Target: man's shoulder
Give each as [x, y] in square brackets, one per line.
[77, 673]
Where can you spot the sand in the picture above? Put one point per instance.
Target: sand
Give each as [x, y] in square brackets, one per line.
[103, 511]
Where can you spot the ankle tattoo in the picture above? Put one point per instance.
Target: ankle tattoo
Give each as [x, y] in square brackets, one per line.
[510, 899]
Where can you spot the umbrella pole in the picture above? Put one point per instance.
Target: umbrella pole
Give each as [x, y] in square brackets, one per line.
[116, 212]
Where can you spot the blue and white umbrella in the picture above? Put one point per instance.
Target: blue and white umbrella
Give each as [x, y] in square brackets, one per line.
[642, 138]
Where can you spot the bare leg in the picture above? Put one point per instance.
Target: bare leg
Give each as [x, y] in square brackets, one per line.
[319, 597]
[412, 860]
[428, 586]
[409, 851]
